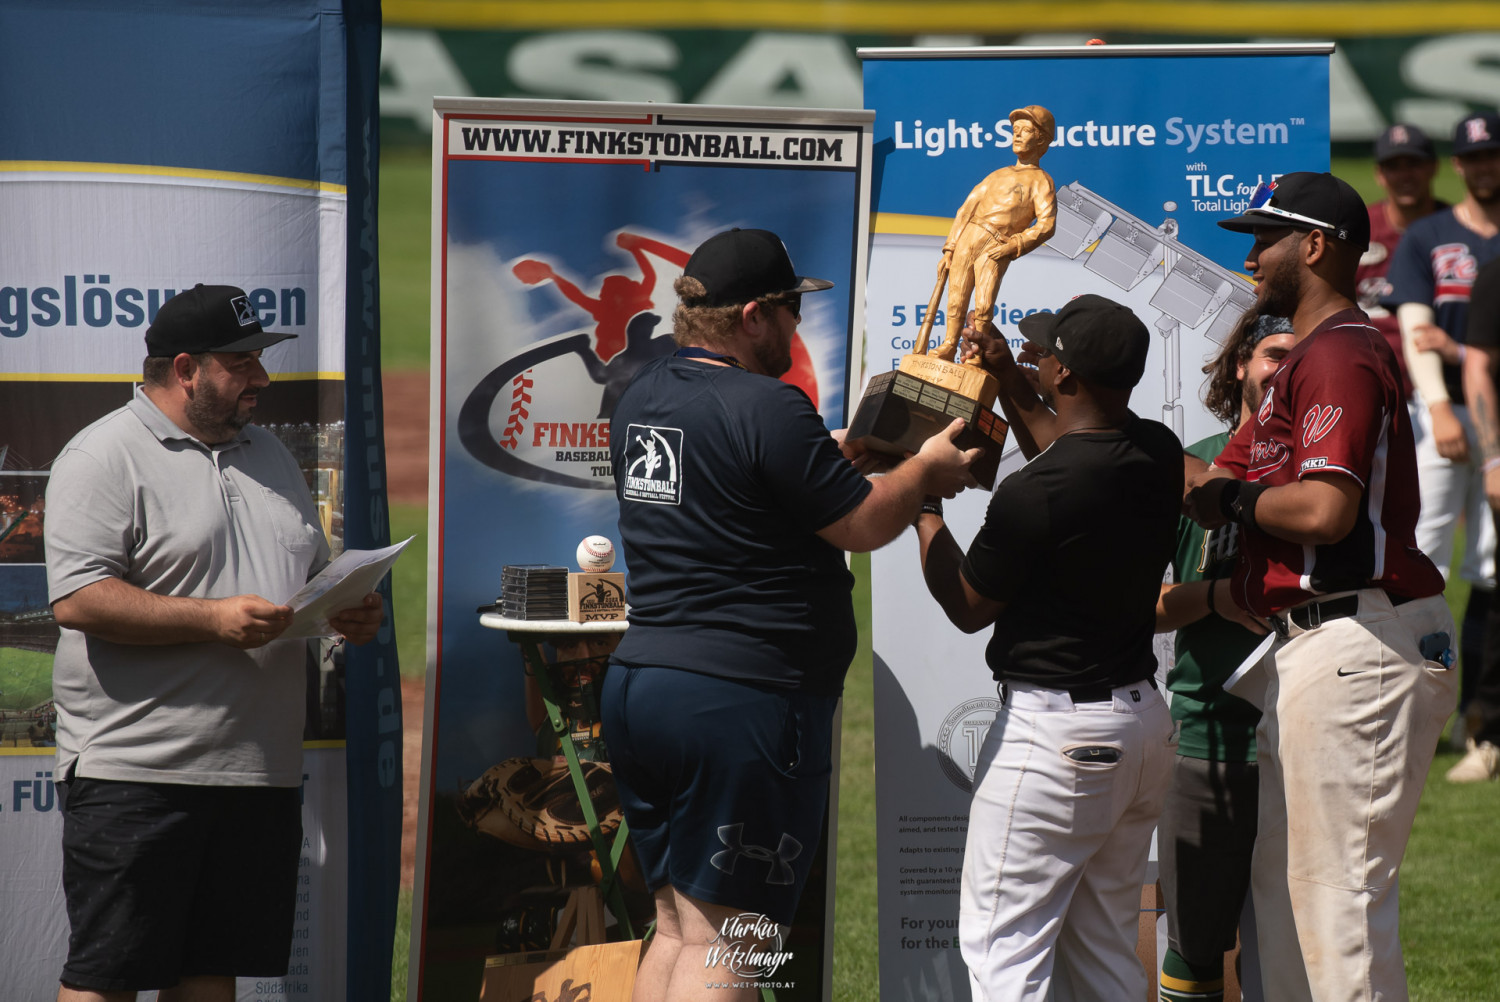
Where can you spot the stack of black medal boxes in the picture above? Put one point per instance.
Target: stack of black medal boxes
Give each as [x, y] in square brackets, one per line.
[533, 591]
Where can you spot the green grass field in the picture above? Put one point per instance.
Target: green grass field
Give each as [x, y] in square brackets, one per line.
[1451, 879]
[25, 678]
[409, 589]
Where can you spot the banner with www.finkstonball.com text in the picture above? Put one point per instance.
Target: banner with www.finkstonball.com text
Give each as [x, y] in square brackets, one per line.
[558, 231]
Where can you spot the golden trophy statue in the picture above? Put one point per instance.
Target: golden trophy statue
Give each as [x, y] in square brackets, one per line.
[1011, 212]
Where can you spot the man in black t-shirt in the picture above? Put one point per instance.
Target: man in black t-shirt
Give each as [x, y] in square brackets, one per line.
[1073, 773]
[736, 508]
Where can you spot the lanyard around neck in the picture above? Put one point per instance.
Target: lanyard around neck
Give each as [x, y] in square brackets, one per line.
[693, 351]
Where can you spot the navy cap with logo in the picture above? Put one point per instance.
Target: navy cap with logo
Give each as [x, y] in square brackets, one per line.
[739, 266]
[1307, 201]
[1401, 140]
[1477, 133]
[208, 318]
[1103, 342]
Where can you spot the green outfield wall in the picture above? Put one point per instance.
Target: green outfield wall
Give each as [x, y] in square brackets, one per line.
[1429, 64]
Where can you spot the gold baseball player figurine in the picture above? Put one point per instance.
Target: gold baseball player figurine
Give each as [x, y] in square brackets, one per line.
[1010, 213]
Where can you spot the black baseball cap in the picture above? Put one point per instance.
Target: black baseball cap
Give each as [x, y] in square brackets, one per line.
[1103, 342]
[208, 318]
[1401, 140]
[1304, 200]
[739, 266]
[1477, 133]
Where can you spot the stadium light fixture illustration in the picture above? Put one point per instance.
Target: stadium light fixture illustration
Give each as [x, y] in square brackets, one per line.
[1124, 250]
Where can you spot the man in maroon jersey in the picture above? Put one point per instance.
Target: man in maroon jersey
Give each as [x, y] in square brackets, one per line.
[1405, 165]
[1322, 482]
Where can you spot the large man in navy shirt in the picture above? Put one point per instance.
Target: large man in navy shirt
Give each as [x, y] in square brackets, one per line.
[736, 507]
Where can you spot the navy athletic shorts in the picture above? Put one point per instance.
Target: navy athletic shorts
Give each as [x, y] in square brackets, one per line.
[724, 785]
[165, 881]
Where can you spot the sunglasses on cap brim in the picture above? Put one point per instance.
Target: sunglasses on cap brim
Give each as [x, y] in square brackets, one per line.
[1260, 203]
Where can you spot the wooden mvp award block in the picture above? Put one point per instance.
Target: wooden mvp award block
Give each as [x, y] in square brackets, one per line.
[596, 596]
[902, 409]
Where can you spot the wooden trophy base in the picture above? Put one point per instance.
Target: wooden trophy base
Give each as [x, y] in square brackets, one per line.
[900, 410]
[966, 380]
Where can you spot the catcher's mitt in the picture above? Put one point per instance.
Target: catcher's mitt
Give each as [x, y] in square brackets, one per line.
[531, 803]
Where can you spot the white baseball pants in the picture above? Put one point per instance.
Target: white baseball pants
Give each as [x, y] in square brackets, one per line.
[1057, 847]
[1353, 714]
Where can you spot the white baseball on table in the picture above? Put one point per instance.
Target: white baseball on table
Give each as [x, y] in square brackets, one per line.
[596, 554]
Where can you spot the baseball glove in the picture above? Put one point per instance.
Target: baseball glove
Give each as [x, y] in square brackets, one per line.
[531, 803]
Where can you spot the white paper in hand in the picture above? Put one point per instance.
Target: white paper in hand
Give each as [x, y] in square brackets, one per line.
[343, 584]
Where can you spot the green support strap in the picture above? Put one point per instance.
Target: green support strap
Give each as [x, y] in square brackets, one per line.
[609, 856]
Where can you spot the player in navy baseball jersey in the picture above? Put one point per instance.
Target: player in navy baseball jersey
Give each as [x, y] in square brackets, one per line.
[1429, 285]
[1321, 481]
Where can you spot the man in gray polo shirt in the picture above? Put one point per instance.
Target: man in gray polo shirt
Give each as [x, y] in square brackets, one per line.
[175, 529]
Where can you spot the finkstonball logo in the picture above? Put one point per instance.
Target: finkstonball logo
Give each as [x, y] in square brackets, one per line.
[543, 414]
[748, 946]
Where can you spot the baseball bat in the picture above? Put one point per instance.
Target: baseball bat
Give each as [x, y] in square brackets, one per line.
[920, 348]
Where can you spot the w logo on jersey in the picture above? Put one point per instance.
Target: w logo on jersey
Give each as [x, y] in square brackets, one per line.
[1318, 422]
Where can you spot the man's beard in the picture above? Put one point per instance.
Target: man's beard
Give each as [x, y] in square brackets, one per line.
[774, 359]
[1254, 394]
[1281, 290]
[215, 414]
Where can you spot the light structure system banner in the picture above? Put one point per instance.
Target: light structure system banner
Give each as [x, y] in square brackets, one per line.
[157, 148]
[1152, 146]
[558, 231]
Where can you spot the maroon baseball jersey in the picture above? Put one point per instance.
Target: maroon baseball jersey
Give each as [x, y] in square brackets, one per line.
[1373, 287]
[1334, 406]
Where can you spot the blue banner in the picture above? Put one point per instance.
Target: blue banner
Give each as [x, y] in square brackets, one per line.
[143, 150]
[1152, 146]
[373, 679]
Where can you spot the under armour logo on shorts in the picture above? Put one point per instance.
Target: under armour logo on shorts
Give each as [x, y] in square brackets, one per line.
[780, 860]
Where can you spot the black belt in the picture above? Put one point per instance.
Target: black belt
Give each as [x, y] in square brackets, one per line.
[1103, 692]
[1311, 615]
